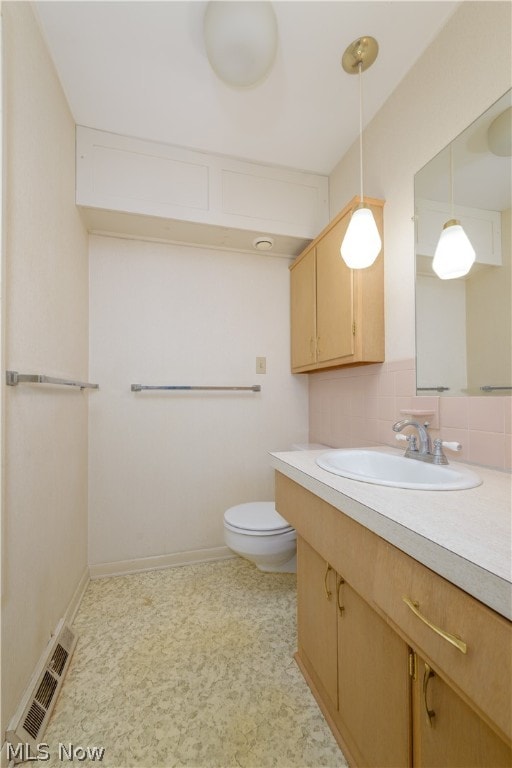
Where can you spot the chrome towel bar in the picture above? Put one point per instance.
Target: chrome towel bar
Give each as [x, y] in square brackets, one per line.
[12, 378]
[489, 388]
[140, 387]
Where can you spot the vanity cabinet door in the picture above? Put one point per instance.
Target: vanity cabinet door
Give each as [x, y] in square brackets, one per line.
[316, 620]
[447, 732]
[373, 686]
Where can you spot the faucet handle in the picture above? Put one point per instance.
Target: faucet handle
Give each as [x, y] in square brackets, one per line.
[439, 457]
[452, 446]
[411, 439]
[406, 438]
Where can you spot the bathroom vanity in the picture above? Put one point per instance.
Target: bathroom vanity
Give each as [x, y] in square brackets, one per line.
[404, 608]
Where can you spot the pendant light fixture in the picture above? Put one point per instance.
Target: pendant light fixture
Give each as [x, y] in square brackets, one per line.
[454, 255]
[361, 244]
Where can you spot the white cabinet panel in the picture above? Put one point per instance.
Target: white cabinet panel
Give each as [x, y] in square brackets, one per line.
[138, 176]
[120, 174]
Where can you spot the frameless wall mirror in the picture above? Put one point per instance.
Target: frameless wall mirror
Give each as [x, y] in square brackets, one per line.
[464, 325]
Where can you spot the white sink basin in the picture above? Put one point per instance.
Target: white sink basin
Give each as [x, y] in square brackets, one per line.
[380, 468]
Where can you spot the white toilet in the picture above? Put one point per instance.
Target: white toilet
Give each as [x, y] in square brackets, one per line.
[256, 531]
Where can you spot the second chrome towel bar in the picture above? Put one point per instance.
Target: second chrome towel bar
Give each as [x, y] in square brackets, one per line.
[140, 387]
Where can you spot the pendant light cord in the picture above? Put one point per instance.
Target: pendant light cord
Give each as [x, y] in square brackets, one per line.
[361, 126]
[452, 216]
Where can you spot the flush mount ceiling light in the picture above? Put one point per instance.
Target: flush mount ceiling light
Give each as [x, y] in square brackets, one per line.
[241, 40]
[454, 255]
[361, 244]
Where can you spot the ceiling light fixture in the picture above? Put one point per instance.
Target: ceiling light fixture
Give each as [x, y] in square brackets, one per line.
[361, 244]
[241, 40]
[454, 255]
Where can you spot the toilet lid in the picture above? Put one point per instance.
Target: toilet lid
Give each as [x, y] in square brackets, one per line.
[257, 516]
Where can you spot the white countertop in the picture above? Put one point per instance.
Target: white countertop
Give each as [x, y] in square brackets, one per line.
[464, 536]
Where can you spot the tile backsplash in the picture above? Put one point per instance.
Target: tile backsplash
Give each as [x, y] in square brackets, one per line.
[355, 407]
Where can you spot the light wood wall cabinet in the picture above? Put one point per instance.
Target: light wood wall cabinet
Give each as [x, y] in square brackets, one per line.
[337, 313]
[399, 687]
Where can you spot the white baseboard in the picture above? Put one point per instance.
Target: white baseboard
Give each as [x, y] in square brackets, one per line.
[76, 599]
[124, 567]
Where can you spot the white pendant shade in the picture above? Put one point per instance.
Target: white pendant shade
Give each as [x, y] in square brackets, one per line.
[454, 254]
[361, 244]
[240, 40]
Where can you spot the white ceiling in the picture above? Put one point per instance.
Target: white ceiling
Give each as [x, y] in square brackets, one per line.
[139, 68]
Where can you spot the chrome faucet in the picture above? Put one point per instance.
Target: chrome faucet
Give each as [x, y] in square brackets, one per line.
[424, 453]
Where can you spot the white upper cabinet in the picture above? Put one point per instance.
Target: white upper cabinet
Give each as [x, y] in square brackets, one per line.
[136, 187]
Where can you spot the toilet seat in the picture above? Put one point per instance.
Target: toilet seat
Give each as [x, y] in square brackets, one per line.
[256, 518]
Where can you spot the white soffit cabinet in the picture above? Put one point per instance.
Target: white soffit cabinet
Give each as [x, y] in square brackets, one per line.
[139, 188]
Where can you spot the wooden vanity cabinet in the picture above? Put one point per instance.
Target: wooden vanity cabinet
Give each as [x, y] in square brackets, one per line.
[337, 313]
[366, 663]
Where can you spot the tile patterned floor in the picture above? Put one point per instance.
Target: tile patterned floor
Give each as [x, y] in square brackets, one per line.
[193, 667]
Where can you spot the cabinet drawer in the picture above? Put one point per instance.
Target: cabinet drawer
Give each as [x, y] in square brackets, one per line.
[483, 674]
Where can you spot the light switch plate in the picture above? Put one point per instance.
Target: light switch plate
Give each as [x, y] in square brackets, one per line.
[261, 365]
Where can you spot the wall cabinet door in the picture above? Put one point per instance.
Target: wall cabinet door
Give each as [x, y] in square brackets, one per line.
[303, 311]
[447, 732]
[335, 297]
[337, 314]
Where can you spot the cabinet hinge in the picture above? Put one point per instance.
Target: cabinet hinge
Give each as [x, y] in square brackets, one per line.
[412, 665]
[353, 329]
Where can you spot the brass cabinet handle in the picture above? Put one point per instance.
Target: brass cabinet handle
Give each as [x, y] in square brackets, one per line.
[429, 672]
[453, 639]
[328, 592]
[341, 608]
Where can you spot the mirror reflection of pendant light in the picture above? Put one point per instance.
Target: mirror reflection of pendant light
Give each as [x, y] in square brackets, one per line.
[361, 244]
[454, 255]
[241, 40]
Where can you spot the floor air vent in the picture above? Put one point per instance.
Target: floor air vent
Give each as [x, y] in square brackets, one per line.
[28, 725]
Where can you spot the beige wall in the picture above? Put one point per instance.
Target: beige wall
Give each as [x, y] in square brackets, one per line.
[452, 83]
[45, 318]
[163, 467]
